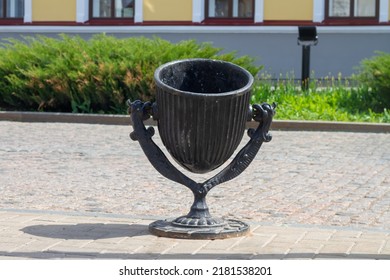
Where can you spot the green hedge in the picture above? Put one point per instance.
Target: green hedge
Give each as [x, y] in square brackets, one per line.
[374, 74]
[71, 74]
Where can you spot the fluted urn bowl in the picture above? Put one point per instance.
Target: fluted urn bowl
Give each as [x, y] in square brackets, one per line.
[203, 107]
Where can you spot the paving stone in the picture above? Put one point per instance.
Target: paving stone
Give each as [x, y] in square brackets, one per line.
[90, 191]
[276, 247]
[187, 247]
[367, 247]
[321, 235]
[337, 247]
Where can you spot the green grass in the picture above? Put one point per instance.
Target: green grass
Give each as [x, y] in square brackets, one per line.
[334, 101]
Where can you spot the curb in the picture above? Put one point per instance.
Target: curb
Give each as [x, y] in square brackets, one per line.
[125, 120]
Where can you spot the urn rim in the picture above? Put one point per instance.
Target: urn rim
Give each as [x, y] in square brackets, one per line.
[239, 91]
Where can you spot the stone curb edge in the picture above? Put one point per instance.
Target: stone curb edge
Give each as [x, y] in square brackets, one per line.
[125, 120]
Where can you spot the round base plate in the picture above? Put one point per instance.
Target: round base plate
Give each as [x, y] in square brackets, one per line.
[165, 228]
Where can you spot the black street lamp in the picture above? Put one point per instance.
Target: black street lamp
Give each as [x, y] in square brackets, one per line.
[307, 37]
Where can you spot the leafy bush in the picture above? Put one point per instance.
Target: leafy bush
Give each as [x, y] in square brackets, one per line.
[375, 76]
[74, 75]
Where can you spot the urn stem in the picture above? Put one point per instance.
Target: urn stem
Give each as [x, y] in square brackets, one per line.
[199, 208]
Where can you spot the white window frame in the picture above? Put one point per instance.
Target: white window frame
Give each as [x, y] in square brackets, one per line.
[383, 10]
[198, 11]
[27, 11]
[318, 10]
[139, 11]
[82, 11]
[259, 11]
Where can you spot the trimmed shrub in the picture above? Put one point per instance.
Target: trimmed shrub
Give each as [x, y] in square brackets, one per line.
[375, 76]
[71, 74]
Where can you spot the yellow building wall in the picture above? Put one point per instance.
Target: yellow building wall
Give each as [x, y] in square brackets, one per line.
[167, 10]
[54, 10]
[288, 10]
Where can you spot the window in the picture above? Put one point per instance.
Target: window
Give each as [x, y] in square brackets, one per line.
[352, 9]
[230, 9]
[112, 9]
[11, 9]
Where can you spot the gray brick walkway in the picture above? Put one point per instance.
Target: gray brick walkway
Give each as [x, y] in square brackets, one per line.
[87, 191]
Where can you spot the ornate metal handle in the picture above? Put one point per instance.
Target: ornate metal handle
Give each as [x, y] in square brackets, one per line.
[142, 111]
[262, 114]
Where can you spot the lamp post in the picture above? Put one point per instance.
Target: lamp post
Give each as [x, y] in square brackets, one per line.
[307, 37]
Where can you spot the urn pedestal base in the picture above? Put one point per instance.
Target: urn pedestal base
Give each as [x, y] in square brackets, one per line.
[229, 228]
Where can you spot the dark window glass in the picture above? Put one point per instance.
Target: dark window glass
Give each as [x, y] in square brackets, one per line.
[112, 8]
[228, 9]
[352, 9]
[11, 9]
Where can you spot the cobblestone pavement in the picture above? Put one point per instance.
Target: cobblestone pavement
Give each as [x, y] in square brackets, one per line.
[305, 178]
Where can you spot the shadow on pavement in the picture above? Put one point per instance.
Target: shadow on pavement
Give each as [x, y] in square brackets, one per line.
[87, 231]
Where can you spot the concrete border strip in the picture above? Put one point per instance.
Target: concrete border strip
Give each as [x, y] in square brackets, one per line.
[19, 116]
